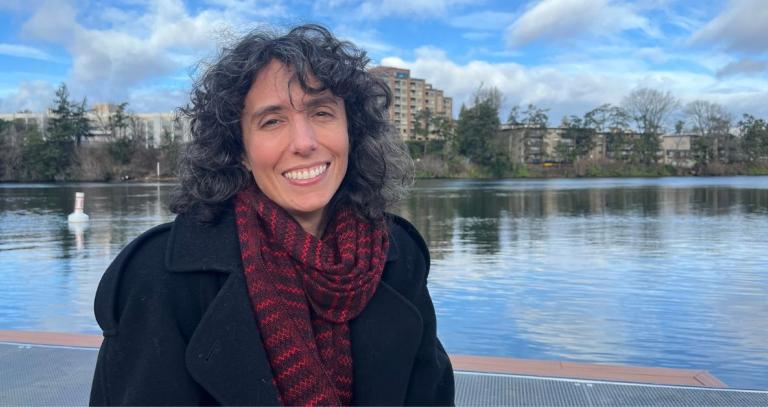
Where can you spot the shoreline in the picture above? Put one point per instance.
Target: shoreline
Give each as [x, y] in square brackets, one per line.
[172, 180]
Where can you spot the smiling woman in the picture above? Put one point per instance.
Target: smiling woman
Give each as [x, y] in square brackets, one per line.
[296, 144]
[283, 280]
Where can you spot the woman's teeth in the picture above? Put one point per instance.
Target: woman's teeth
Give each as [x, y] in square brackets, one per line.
[305, 174]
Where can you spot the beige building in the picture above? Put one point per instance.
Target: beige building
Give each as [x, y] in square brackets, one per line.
[151, 128]
[27, 120]
[676, 150]
[409, 97]
[536, 145]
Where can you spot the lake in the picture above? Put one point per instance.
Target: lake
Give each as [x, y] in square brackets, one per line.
[663, 272]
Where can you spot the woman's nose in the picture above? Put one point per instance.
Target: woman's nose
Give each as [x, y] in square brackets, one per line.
[304, 137]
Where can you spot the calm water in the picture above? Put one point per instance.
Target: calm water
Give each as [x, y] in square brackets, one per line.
[651, 272]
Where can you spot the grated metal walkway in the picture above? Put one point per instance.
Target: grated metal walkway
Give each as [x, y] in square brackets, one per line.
[38, 375]
[482, 389]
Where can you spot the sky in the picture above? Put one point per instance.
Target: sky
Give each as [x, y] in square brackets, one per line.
[569, 56]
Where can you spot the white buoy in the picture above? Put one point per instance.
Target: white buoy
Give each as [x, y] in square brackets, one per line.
[78, 215]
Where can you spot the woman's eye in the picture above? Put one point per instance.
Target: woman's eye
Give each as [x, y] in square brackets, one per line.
[270, 123]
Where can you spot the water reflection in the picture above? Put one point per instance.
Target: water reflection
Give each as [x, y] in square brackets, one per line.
[49, 268]
[77, 230]
[664, 272]
[654, 272]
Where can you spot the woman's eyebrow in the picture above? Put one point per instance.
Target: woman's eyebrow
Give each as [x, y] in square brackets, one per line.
[263, 111]
[313, 102]
[320, 101]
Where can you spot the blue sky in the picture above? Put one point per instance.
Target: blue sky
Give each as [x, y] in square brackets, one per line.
[566, 55]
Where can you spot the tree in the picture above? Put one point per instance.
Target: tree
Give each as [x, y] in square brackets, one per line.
[712, 123]
[66, 128]
[81, 126]
[707, 118]
[443, 129]
[422, 122]
[754, 135]
[170, 150]
[650, 109]
[10, 151]
[41, 159]
[535, 116]
[119, 121]
[679, 127]
[607, 118]
[121, 146]
[478, 125]
[577, 141]
[514, 116]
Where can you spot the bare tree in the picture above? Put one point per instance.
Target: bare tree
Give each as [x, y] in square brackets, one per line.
[712, 123]
[707, 118]
[650, 109]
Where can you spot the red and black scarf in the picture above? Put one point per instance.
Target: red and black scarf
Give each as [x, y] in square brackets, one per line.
[305, 290]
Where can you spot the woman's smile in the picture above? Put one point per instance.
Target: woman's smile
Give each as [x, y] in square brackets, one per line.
[307, 175]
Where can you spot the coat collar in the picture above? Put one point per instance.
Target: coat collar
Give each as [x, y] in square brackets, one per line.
[193, 246]
[226, 355]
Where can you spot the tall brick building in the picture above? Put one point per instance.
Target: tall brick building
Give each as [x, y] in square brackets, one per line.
[409, 96]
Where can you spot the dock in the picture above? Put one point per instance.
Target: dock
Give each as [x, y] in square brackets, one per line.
[40, 368]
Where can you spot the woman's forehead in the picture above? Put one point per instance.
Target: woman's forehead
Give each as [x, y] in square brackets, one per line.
[278, 83]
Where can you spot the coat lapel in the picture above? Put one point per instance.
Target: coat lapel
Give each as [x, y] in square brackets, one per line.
[226, 355]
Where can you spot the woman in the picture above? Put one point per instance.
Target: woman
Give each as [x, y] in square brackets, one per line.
[282, 280]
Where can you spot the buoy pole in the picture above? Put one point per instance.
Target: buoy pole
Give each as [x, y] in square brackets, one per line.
[78, 215]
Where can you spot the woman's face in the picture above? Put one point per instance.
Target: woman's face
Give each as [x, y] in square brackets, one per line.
[296, 144]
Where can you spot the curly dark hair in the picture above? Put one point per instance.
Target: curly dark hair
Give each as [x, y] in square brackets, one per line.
[211, 170]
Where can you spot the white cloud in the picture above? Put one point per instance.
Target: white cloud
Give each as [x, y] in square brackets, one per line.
[152, 99]
[23, 51]
[742, 26]
[567, 19]
[136, 48]
[365, 38]
[546, 86]
[571, 87]
[34, 96]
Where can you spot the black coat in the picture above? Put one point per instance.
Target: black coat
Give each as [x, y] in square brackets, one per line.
[179, 328]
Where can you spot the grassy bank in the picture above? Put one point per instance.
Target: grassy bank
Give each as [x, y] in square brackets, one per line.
[459, 167]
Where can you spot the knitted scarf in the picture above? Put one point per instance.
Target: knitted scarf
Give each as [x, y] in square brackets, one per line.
[305, 290]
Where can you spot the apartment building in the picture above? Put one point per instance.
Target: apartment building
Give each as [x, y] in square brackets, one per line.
[526, 144]
[409, 97]
[151, 128]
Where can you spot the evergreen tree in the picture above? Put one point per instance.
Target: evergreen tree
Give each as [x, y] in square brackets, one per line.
[122, 146]
[754, 134]
[48, 158]
[478, 125]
